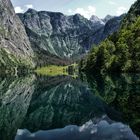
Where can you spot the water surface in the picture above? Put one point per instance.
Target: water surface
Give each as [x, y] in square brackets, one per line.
[65, 108]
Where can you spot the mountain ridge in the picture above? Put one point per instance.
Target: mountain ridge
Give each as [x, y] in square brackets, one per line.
[66, 37]
[43, 37]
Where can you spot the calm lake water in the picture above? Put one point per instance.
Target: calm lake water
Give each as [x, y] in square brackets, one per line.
[66, 108]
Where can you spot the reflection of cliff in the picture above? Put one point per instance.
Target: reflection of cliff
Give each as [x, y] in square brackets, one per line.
[15, 96]
[67, 102]
[54, 102]
[121, 92]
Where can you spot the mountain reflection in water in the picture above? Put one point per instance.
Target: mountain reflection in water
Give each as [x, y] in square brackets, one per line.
[59, 105]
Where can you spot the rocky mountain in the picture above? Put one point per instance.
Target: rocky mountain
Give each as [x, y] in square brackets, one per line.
[57, 34]
[15, 49]
[64, 36]
[97, 21]
[53, 38]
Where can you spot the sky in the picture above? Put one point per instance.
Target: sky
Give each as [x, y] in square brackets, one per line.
[87, 8]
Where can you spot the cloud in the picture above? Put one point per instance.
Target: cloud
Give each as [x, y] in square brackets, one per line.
[70, 11]
[86, 12]
[18, 9]
[112, 3]
[121, 10]
[29, 6]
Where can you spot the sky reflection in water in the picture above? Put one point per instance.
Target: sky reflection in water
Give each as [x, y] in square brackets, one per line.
[103, 130]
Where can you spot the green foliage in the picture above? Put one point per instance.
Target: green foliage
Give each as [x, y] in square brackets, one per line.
[121, 92]
[10, 62]
[120, 52]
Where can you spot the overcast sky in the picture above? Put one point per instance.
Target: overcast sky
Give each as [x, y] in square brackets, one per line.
[84, 7]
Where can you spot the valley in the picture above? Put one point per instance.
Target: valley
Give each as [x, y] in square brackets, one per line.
[51, 38]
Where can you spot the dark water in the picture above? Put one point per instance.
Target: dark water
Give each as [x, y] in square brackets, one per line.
[64, 108]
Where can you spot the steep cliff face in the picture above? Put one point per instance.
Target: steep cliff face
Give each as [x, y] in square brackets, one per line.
[15, 47]
[60, 35]
[65, 36]
[53, 36]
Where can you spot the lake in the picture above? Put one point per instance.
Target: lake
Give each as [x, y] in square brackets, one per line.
[99, 107]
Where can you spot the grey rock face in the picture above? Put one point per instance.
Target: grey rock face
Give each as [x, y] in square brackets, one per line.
[97, 21]
[65, 36]
[60, 35]
[52, 35]
[15, 47]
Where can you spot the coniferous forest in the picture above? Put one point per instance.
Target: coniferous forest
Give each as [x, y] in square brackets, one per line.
[121, 51]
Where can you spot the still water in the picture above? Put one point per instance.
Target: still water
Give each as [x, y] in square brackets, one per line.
[99, 107]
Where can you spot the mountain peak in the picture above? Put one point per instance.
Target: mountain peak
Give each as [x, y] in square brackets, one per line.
[107, 18]
[30, 10]
[78, 16]
[93, 17]
[96, 20]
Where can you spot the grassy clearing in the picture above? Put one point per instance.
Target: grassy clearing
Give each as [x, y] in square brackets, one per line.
[54, 70]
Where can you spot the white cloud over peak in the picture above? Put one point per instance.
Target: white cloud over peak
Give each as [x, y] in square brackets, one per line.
[121, 10]
[18, 9]
[29, 6]
[70, 11]
[86, 12]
